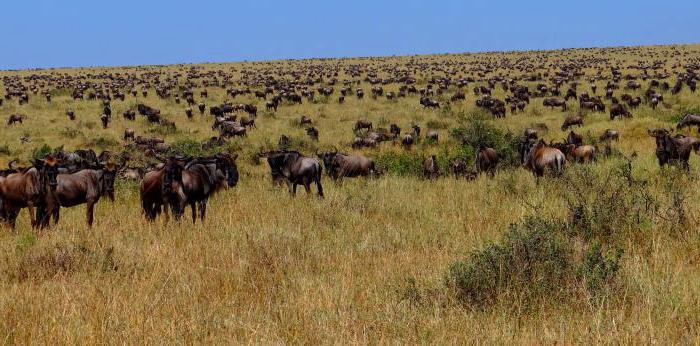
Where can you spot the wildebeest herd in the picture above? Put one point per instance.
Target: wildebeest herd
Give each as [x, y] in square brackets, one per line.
[579, 88]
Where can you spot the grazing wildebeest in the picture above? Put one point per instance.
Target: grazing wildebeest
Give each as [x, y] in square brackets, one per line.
[129, 134]
[486, 160]
[146, 110]
[129, 115]
[228, 128]
[554, 102]
[201, 107]
[340, 165]
[14, 118]
[305, 120]
[540, 157]
[202, 177]
[312, 132]
[429, 103]
[358, 142]
[571, 121]
[105, 120]
[362, 124]
[163, 187]
[430, 168]
[83, 187]
[416, 131]
[27, 189]
[296, 169]
[70, 114]
[689, 120]
[247, 122]
[188, 113]
[674, 150]
[581, 153]
[618, 109]
[271, 105]
[610, 135]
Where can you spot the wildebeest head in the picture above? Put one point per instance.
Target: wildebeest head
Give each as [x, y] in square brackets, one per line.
[109, 175]
[48, 169]
[328, 157]
[227, 164]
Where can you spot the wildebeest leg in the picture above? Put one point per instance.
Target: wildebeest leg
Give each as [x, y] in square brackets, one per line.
[202, 209]
[56, 215]
[90, 213]
[294, 189]
[32, 215]
[193, 206]
[319, 187]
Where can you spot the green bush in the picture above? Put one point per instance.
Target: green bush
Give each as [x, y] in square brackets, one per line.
[5, 150]
[400, 163]
[533, 261]
[41, 152]
[102, 142]
[188, 147]
[596, 270]
[477, 133]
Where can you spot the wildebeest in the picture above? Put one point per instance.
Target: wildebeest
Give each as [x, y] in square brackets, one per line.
[202, 177]
[581, 153]
[201, 107]
[540, 157]
[312, 132]
[571, 121]
[429, 103]
[430, 168]
[14, 118]
[27, 189]
[129, 134]
[146, 110]
[188, 113]
[305, 120]
[407, 141]
[83, 187]
[486, 160]
[432, 135]
[295, 169]
[395, 130]
[340, 165]
[618, 109]
[129, 115]
[554, 102]
[228, 128]
[674, 150]
[104, 118]
[247, 122]
[574, 138]
[70, 114]
[362, 124]
[689, 120]
[610, 135]
[366, 142]
[163, 188]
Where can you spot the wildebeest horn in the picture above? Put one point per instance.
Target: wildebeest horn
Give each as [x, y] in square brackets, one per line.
[10, 164]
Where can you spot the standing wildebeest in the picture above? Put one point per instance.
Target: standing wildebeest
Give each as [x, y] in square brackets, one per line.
[312, 132]
[296, 169]
[540, 157]
[571, 121]
[228, 128]
[201, 107]
[202, 177]
[14, 118]
[486, 160]
[70, 114]
[27, 189]
[247, 122]
[618, 109]
[689, 120]
[83, 187]
[342, 165]
[431, 135]
[407, 141]
[105, 120]
[610, 135]
[129, 134]
[554, 102]
[362, 124]
[574, 138]
[305, 120]
[163, 187]
[670, 150]
[430, 168]
[129, 115]
[188, 113]
[395, 130]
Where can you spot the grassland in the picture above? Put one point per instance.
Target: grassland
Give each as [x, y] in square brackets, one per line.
[367, 264]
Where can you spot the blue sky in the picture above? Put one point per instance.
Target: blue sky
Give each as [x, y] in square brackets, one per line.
[55, 33]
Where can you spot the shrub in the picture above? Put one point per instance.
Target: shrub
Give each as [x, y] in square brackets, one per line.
[188, 147]
[5, 150]
[102, 142]
[533, 261]
[477, 133]
[437, 124]
[400, 163]
[596, 270]
[41, 152]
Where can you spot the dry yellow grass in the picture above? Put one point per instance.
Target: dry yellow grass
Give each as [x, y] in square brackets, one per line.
[364, 265]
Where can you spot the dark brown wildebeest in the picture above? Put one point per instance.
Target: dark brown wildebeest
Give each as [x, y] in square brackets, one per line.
[360, 93]
[27, 189]
[429, 103]
[341, 99]
[459, 95]
[689, 120]
[571, 121]
[247, 122]
[228, 128]
[305, 120]
[312, 132]
[529, 133]
[105, 121]
[580, 153]
[430, 168]
[674, 150]
[146, 110]
[459, 169]
[574, 138]
[14, 118]
[366, 142]
[416, 131]
[201, 107]
[129, 134]
[610, 135]
[295, 169]
[540, 158]
[83, 187]
[431, 136]
[129, 115]
[554, 102]
[251, 109]
[362, 124]
[339, 165]
[407, 141]
[70, 114]
[202, 177]
[163, 188]
[395, 130]
[486, 160]
[271, 105]
[618, 109]
[188, 113]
